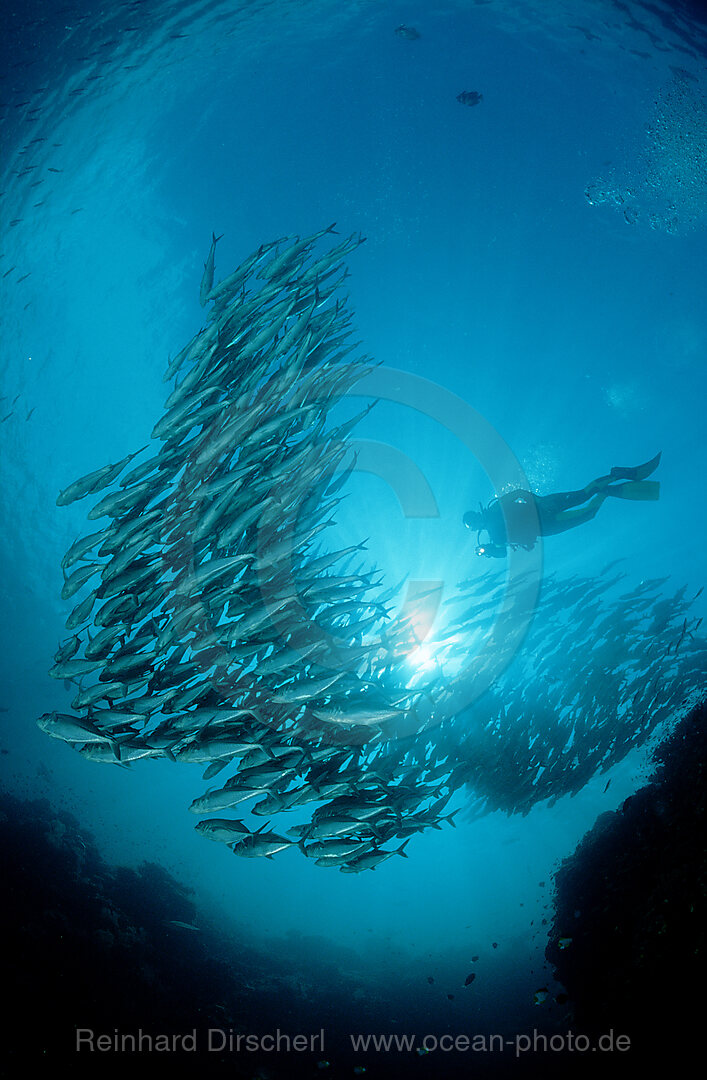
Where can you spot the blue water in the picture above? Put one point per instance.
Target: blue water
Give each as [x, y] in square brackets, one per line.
[577, 331]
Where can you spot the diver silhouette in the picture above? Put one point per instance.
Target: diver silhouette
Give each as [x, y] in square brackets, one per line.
[519, 518]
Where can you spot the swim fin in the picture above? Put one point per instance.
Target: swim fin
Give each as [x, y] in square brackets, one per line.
[637, 491]
[638, 472]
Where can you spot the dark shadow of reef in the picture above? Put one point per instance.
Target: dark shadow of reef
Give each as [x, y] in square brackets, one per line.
[629, 939]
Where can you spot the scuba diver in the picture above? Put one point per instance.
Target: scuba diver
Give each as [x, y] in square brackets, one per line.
[519, 518]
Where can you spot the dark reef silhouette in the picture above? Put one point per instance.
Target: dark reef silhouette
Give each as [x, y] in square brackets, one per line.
[632, 898]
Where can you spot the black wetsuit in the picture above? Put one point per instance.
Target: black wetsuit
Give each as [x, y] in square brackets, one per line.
[518, 518]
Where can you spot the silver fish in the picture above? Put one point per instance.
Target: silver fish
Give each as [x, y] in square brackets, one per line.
[207, 278]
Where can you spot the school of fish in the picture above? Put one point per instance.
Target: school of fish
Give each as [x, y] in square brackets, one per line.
[216, 626]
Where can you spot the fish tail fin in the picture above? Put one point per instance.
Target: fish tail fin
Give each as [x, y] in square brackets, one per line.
[401, 849]
[115, 747]
[215, 239]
